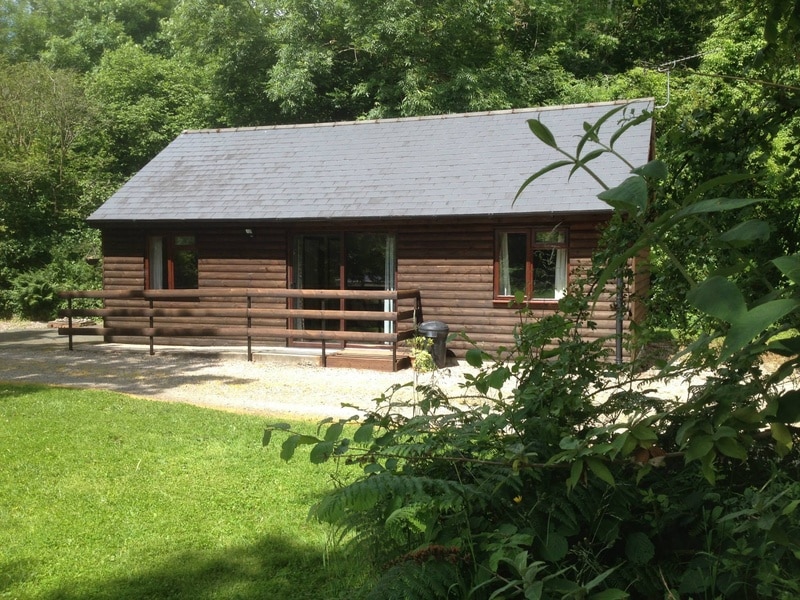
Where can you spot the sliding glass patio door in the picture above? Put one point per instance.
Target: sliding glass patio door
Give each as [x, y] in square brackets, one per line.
[347, 261]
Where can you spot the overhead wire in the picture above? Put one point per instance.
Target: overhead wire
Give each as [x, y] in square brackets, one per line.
[668, 66]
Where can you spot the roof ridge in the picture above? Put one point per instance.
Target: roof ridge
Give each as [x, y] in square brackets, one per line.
[488, 113]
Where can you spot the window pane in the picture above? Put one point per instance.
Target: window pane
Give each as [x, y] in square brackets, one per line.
[549, 237]
[369, 266]
[513, 252]
[185, 268]
[318, 267]
[157, 262]
[184, 240]
[365, 261]
[544, 273]
[549, 273]
[319, 262]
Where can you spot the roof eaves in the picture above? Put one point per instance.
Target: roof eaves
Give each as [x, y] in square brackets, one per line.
[510, 111]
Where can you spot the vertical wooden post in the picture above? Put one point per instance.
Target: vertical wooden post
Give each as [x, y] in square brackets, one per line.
[249, 325]
[395, 330]
[620, 310]
[69, 320]
[322, 327]
[418, 310]
[152, 325]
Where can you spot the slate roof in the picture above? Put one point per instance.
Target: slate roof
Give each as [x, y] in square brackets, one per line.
[451, 165]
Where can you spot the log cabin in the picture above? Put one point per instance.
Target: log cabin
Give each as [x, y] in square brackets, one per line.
[422, 203]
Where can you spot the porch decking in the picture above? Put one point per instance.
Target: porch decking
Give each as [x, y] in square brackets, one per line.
[373, 359]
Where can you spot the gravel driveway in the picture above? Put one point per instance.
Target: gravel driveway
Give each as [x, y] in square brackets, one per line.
[34, 353]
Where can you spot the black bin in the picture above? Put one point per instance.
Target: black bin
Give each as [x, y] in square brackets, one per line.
[437, 331]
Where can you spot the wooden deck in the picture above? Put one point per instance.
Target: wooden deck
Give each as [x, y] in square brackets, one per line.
[372, 358]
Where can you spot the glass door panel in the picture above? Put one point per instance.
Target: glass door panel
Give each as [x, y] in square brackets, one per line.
[368, 267]
[353, 261]
[318, 267]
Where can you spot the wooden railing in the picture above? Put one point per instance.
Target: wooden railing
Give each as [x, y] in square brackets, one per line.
[241, 319]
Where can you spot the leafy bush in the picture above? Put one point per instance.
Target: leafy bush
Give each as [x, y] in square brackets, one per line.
[561, 475]
[34, 294]
[34, 297]
[556, 477]
[420, 353]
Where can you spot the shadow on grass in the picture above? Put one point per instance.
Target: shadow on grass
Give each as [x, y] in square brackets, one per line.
[273, 568]
[14, 572]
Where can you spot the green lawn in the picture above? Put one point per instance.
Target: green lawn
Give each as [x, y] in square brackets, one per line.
[107, 496]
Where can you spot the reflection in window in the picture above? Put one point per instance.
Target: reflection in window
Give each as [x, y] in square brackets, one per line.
[533, 262]
[352, 261]
[157, 264]
[513, 263]
[370, 265]
[172, 262]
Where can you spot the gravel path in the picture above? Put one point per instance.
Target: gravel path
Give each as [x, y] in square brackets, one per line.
[32, 352]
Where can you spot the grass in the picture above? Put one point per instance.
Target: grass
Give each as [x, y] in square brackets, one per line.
[104, 496]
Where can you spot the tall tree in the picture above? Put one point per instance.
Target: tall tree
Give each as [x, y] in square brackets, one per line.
[731, 113]
[44, 115]
[652, 32]
[343, 58]
[338, 58]
[75, 33]
[146, 101]
[43, 112]
[229, 43]
[23, 33]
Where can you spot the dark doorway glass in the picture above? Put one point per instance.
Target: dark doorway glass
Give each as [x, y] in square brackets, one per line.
[352, 261]
[318, 267]
[366, 269]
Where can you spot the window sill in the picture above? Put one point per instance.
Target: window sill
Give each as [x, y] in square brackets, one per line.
[533, 303]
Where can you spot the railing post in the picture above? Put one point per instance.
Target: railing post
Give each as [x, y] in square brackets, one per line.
[322, 327]
[152, 326]
[69, 320]
[249, 324]
[395, 304]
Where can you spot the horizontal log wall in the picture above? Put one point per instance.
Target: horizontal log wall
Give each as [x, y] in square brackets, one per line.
[453, 267]
[227, 258]
[450, 261]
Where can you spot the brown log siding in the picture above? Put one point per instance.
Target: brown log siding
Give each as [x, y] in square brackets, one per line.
[454, 271]
[452, 263]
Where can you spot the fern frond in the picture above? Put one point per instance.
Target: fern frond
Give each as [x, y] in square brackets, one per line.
[366, 493]
[431, 580]
[405, 519]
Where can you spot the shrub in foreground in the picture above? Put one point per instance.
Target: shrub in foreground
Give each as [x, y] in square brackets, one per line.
[559, 475]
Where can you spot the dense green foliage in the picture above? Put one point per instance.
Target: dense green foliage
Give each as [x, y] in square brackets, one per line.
[557, 475]
[560, 475]
[92, 90]
[749, 127]
[104, 496]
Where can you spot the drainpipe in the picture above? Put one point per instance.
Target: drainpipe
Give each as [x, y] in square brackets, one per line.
[620, 312]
